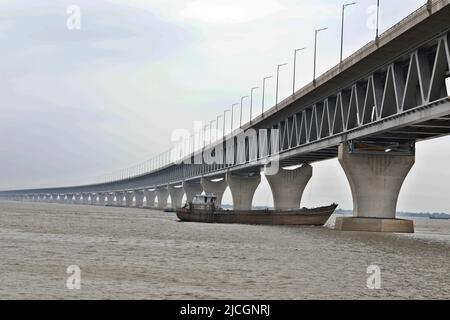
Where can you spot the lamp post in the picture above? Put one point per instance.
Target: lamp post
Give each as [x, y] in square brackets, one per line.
[211, 130]
[224, 118]
[263, 91]
[315, 52]
[342, 25]
[295, 65]
[240, 119]
[232, 114]
[278, 76]
[217, 126]
[251, 102]
[378, 21]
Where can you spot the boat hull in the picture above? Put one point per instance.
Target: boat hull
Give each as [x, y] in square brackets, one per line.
[311, 217]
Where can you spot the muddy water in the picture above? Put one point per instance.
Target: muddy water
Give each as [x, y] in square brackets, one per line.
[144, 254]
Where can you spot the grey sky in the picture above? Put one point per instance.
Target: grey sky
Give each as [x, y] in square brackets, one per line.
[77, 104]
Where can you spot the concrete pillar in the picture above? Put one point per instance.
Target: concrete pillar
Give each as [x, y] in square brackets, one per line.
[288, 185]
[69, 198]
[139, 197]
[192, 188]
[150, 196]
[214, 187]
[85, 198]
[102, 199]
[110, 201]
[119, 198]
[243, 188]
[78, 198]
[375, 181]
[93, 200]
[176, 196]
[162, 194]
[54, 198]
[129, 198]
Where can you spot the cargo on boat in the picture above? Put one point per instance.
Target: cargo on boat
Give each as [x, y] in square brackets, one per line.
[203, 209]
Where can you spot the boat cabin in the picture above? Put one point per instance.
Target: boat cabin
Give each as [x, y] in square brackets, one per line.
[204, 201]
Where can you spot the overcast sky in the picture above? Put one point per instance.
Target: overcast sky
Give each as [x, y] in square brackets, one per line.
[79, 104]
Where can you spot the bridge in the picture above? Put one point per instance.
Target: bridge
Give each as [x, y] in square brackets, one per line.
[368, 111]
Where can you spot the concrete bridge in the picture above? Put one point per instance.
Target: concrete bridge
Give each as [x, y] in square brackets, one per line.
[369, 111]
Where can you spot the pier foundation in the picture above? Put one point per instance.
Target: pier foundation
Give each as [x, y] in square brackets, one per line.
[243, 188]
[129, 196]
[288, 185]
[110, 200]
[162, 193]
[102, 199]
[214, 187]
[119, 198]
[176, 196]
[192, 188]
[375, 181]
[93, 199]
[139, 197]
[150, 196]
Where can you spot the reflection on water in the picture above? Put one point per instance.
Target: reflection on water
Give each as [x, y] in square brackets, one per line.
[135, 253]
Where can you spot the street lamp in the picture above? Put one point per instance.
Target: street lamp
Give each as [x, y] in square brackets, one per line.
[204, 135]
[251, 102]
[232, 114]
[342, 25]
[263, 91]
[278, 76]
[240, 120]
[224, 118]
[211, 130]
[378, 20]
[295, 64]
[217, 126]
[315, 51]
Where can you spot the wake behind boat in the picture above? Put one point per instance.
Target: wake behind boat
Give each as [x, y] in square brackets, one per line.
[203, 209]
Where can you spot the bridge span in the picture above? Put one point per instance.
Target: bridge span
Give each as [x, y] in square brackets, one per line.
[369, 111]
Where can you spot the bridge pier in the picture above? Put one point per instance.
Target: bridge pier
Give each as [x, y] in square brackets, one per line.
[78, 199]
[176, 196]
[101, 199]
[288, 185]
[192, 188]
[214, 187]
[162, 193]
[139, 197]
[129, 198]
[150, 196]
[85, 198]
[110, 200]
[243, 188]
[119, 198]
[69, 198]
[93, 200]
[54, 198]
[375, 181]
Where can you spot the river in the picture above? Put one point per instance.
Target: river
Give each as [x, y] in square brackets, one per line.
[126, 253]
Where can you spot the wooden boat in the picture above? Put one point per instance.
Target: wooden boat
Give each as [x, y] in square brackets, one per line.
[203, 209]
[436, 217]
